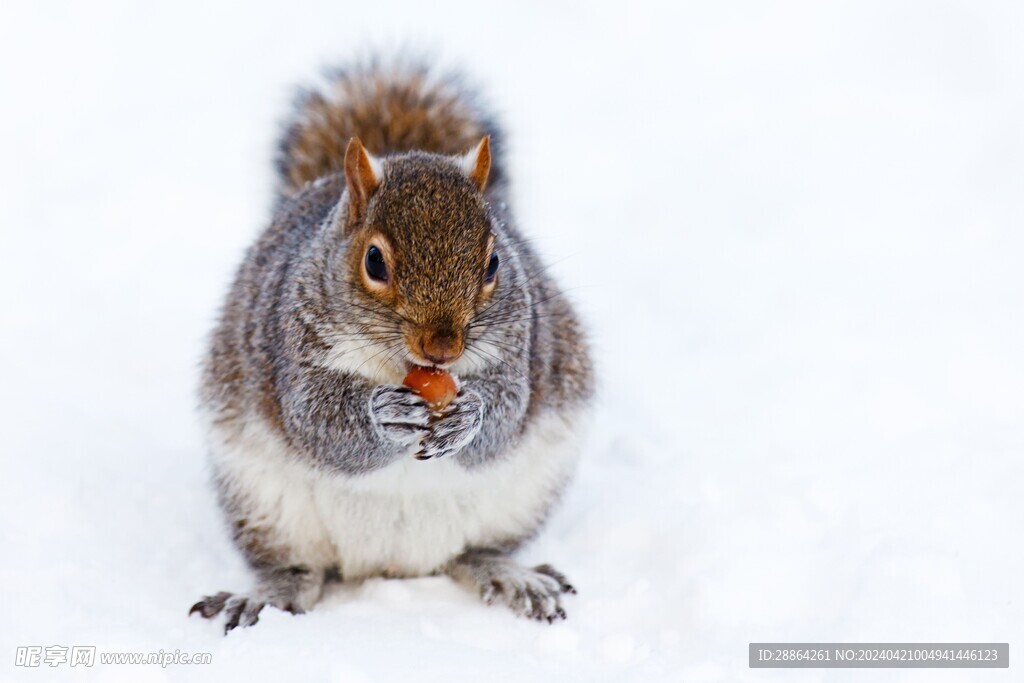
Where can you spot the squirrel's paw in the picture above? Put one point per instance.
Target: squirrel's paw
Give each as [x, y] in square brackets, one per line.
[399, 414]
[456, 427]
[534, 593]
[239, 610]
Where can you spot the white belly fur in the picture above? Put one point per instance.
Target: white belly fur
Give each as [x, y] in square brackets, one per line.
[406, 519]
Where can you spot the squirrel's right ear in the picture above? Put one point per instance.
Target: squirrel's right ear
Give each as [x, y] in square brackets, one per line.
[476, 163]
[362, 175]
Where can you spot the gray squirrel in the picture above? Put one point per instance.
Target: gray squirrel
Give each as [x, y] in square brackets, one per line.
[391, 244]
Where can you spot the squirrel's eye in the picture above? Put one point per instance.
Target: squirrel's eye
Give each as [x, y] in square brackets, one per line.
[492, 268]
[375, 266]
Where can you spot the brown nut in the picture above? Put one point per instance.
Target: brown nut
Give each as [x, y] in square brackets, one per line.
[436, 386]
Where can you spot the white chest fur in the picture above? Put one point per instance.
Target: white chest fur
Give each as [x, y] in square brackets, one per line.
[406, 519]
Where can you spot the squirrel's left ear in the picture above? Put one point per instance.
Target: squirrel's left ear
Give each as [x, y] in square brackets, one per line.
[476, 163]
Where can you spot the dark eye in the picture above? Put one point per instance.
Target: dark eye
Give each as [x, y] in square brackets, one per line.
[492, 268]
[375, 265]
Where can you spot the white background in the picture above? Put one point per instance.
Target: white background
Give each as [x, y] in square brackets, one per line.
[795, 231]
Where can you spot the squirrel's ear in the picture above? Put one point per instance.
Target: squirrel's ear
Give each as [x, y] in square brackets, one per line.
[362, 175]
[476, 163]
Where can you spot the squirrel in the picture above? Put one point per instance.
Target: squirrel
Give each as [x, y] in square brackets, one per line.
[391, 245]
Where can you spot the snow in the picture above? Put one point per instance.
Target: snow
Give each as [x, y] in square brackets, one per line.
[794, 229]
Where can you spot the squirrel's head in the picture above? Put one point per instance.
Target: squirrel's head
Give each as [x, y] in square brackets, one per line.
[420, 258]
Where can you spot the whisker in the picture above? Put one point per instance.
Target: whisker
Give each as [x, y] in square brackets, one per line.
[388, 343]
[530, 277]
[529, 306]
[503, 344]
[511, 320]
[383, 363]
[502, 361]
[382, 312]
[384, 350]
[333, 336]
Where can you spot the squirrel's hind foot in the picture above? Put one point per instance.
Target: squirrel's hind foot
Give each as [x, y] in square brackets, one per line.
[534, 593]
[292, 589]
[239, 610]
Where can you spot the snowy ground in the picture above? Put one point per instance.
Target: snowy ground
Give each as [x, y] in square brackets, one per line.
[796, 232]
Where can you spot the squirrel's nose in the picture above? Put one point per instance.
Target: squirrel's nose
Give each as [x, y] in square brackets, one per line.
[441, 347]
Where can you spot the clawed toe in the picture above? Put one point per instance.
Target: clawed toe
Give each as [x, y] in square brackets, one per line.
[563, 583]
[239, 610]
[211, 605]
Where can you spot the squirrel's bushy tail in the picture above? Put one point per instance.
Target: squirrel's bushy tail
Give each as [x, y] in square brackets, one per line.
[398, 107]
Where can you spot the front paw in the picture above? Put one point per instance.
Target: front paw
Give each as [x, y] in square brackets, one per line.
[399, 415]
[455, 428]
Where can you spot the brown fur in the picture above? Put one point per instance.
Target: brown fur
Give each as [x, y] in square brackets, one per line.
[439, 233]
[391, 110]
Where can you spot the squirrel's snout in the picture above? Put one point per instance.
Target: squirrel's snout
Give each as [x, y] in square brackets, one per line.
[440, 348]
